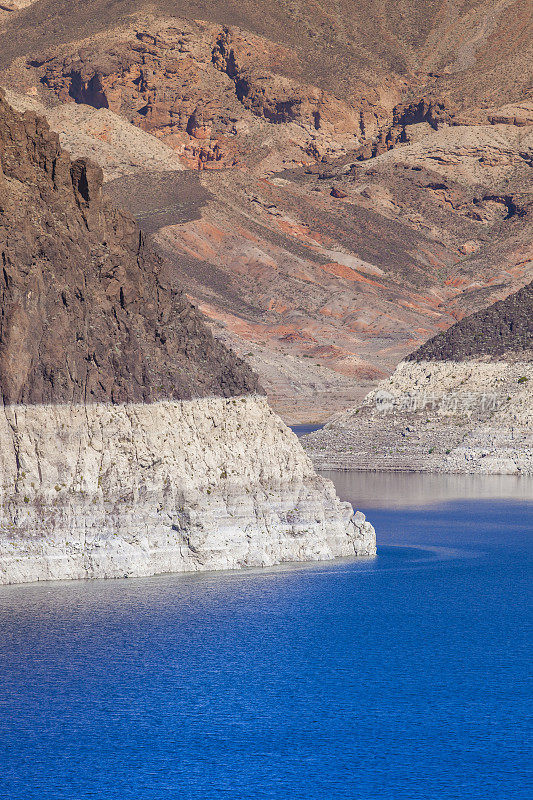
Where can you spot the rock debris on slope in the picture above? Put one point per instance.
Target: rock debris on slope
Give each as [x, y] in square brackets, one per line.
[131, 441]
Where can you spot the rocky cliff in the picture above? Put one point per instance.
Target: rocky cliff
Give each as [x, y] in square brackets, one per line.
[88, 313]
[463, 402]
[400, 132]
[132, 441]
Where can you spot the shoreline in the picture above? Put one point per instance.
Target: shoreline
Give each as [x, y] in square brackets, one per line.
[471, 417]
[141, 489]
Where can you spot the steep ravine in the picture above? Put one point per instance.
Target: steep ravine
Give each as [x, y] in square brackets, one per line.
[131, 441]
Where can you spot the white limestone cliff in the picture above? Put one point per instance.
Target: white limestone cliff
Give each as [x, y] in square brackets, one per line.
[103, 490]
[472, 416]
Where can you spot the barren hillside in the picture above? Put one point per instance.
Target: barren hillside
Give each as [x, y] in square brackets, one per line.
[333, 183]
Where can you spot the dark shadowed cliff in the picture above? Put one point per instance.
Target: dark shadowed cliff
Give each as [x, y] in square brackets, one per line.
[504, 327]
[87, 310]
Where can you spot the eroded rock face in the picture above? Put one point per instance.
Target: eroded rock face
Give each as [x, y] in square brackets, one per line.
[200, 87]
[110, 491]
[131, 441]
[427, 112]
[462, 403]
[276, 98]
[88, 313]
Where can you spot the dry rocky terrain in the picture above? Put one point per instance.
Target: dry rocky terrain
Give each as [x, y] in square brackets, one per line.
[88, 312]
[463, 402]
[132, 442]
[332, 184]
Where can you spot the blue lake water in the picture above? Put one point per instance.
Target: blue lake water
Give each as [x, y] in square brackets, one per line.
[302, 430]
[407, 676]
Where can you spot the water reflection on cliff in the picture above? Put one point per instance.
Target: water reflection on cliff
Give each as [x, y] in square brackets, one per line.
[395, 489]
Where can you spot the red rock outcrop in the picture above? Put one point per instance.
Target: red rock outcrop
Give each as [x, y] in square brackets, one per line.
[200, 88]
[277, 98]
[425, 111]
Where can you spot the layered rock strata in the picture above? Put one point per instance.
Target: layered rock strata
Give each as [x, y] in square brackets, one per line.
[327, 275]
[131, 441]
[110, 491]
[463, 403]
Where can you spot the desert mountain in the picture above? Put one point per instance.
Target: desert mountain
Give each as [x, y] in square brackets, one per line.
[342, 181]
[132, 442]
[87, 312]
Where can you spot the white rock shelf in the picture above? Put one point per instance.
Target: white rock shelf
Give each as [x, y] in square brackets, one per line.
[472, 416]
[109, 491]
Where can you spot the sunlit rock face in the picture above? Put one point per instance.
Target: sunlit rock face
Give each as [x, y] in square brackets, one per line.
[462, 402]
[108, 490]
[333, 184]
[131, 441]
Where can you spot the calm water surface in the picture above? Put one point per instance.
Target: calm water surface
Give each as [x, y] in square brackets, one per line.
[302, 430]
[402, 677]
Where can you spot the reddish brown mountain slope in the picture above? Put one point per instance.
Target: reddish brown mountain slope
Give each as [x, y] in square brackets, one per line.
[322, 274]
